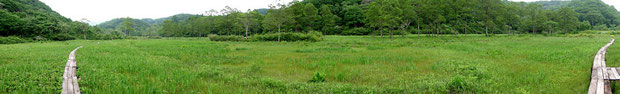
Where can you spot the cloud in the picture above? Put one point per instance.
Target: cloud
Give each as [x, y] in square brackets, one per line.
[102, 10]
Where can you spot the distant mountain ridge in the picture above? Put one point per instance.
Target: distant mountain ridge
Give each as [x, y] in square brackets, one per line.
[143, 23]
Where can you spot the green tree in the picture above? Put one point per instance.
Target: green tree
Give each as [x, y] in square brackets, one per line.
[534, 11]
[310, 16]
[568, 19]
[353, 16]
[230, 20]
[127, 25]
[249, 19]
[328, 20]
[380, 15]
[276, 17]
[406, 13]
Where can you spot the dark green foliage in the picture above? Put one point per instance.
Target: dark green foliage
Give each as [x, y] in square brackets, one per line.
[399, 17]
[317, 78]
[12, 39]
[596, 12]
[62, 37]
[154, 37]
[356, 31]
[311, 36]
[226, 38]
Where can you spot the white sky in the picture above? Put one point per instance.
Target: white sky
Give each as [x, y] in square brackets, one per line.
[615, 3]
[98, 11]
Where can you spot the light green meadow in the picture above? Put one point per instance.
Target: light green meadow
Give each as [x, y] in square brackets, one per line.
[349, 64]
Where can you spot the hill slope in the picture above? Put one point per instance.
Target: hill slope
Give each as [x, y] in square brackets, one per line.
[142, 23]
[29, 18]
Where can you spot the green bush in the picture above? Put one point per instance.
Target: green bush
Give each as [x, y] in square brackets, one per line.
[12, 40]
[226, 38]
[310, 36]
[318, 77]
[154, 37]
[356, 31]
[62, 37]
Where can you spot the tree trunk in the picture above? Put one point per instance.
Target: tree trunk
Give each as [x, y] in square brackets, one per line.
[486, 23]
[486, 28]
[533, 29]
[381, 31]
[279, 33]
[456, 34]
[391, 34]
[246, 32]
[374, 34]
[402, 31]
[418, 21]
[465, 30]
[493, 31]
[437, 28]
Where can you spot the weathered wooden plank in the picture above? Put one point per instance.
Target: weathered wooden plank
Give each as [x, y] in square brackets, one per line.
[599, 72]
[69, 82]
[614, 74]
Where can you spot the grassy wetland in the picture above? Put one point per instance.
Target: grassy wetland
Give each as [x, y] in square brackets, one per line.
[338, 64]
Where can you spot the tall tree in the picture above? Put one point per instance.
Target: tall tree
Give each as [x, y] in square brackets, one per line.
[84, 27]
[328, 20]
[407, 14]
[568, 19]
[276, 17]
[249, 19]
[127, 25]
[380, 15]
[310, 16]
[534, 12]
[488, 8]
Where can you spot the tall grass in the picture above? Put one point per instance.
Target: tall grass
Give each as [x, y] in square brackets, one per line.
[344, 64]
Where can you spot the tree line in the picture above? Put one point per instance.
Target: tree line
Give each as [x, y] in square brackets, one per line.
[400, 17]
[35, 20]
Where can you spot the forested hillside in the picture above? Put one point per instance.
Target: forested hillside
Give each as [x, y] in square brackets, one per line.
[33, 20]
[600, 15]
[145, 26]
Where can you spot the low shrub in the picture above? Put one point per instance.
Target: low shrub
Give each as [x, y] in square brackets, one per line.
[356, 31]
[154, 37]
[581, 35]
[310, 36]
[107, 37]
[226, 38]
[12, 40]
[318, 77]
[62, 37]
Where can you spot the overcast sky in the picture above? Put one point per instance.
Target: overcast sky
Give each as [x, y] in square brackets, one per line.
[98, 11]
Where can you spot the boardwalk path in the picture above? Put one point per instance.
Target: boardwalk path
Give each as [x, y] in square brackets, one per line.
[598, 82]
[69, 80]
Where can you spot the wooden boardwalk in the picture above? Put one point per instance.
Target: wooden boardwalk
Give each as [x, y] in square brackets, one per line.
[69, 80]
[613, 74]
[599, 81]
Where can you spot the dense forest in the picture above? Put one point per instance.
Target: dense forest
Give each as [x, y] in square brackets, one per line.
[32, 19]
[398, 17]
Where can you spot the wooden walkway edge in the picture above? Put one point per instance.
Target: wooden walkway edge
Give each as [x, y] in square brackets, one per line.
[69, 78]
[598, 82]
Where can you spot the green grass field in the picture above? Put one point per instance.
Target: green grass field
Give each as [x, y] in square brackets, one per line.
[350, 64]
